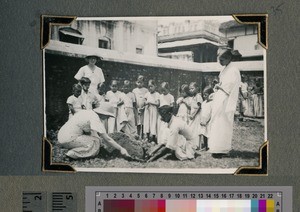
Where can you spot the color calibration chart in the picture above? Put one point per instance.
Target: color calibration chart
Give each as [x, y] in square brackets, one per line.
[180, 199]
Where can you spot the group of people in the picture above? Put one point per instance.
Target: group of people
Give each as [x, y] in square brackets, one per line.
[204, 121]
[251, 99]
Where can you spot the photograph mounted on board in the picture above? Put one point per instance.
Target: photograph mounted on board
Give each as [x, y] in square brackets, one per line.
[155, 94]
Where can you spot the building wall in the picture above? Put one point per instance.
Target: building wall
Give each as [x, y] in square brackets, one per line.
[248, 42]
[240, 31]
[183, 55]
[189, 26]
[202, 53]
[244, 39]
[122, 36]
[188, 30]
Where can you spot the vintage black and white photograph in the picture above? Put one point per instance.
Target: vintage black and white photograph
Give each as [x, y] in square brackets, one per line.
[155, 94]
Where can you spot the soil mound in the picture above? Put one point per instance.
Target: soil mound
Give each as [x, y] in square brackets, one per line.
[134, 147]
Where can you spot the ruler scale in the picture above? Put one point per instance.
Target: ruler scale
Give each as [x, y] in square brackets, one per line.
[34, 202]
[64, 202]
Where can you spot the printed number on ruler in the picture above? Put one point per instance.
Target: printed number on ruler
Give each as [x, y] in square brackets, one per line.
[64, 202]
[34, 201]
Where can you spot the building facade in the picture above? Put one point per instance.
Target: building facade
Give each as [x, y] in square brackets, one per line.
[134, 37]
[243, 38]
[195, 41]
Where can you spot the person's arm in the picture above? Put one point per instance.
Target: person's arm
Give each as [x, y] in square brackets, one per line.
[146, 99]
[133, 100]
[162, 151]
[230, 79]
[197, 107]
[120, 102]
[102, 79]
[188, 106]
[155, 103]
[134, 105]
[79, 74]
[192, 116]
[71, 108]
[242, 93]
[141, 110]
[204, 120]
[261, 91]
[172, 101]
[96, 102]
[114, 144]
[241, 90]
[70, 102]
[122, 99]
[158, 102]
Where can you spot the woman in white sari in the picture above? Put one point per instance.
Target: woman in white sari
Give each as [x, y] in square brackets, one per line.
[224, 104]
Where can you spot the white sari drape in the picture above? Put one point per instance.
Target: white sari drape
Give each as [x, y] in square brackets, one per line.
[223, 109]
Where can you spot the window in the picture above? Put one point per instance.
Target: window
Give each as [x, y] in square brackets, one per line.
[230, 44]
[139, 50]
[104, 43]
[70, 35]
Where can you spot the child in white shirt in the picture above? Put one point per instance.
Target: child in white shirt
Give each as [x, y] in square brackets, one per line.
[205, 116]
[74, 102]
[130, 105]
[165, 98]
[139, 93]
[115, 97]
[196, 100]
[89, 100]
[151, 112]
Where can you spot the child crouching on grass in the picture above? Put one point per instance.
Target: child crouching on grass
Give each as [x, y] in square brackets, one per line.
[205, 116]
[74, 102]
[151, 112]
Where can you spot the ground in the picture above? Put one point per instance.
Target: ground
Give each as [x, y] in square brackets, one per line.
[248, 136]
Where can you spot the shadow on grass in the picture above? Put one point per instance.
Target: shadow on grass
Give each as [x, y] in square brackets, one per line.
[170, 156]
[232, 154]
[242, 154]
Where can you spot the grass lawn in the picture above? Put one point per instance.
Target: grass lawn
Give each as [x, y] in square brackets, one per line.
[248, 136]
